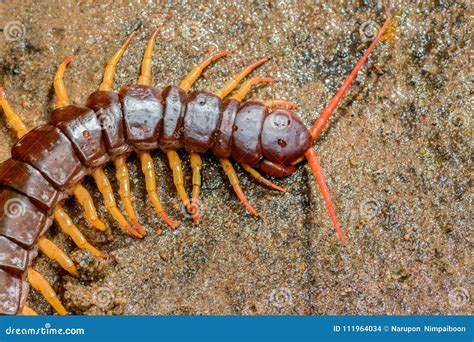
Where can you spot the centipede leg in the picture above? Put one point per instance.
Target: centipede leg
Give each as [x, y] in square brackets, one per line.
[145, 77]
[148, 168]
[39, 283]
[69, 228]
[196, 165]
[27, 311]
[280, 103]
[109, 72]
[193, 75]
[59, 87]
[124, 191]
[106, 190]
[85, 200]
[313, 162]
[13, 119]
[235, 80]
[52, 251]
[234, 181]
[178, 179]
[258, 176]
[245, 88]
[319, 124]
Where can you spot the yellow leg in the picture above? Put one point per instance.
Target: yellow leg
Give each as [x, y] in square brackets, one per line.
[196, 164]
[245, 88]
[27, 311]
[235, 80]
[280, 103]
[193, 75]
[257, 175]
[85, 200]
[106, 190]
[145, 77]
[54, 252]
[59, 87]
[12, 118]
[109, 72]
[176, 167]
[148, 168]
[124, 182]
[69, 228]
[234, 181]
[39, 283]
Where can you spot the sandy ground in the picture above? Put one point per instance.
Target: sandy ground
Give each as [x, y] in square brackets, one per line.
[397, 155]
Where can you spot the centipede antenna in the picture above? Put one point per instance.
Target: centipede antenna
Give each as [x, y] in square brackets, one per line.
[319, 124]
[313, 162]
[193, 75]
[235, 80]
[27, 311]
[109, 72]
[59, 87]
[245, 88]
[13, 119]
[145, 77]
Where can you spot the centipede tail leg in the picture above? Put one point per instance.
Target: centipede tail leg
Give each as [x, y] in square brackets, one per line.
[85, 200]
[124, 191]
[148, 168]
[69, 228]
[27, 311]
[196, 165]
[258, 176]
[178, 179]
[109, 72]
[59, 87]
[105, 189]
[235, 80]
[13, 119]
[319, 124]
[234, 181]
[313, 162]
[52, 251]
[280, 103]
[193, 75]
[39, 283]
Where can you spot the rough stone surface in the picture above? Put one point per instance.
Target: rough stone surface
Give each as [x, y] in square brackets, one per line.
[397, 155]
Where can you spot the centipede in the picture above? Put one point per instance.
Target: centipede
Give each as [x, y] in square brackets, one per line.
[49, 163]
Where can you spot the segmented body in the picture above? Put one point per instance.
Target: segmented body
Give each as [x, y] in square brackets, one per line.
[49, 162]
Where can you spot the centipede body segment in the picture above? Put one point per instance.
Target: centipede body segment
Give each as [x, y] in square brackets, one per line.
[49, 162]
